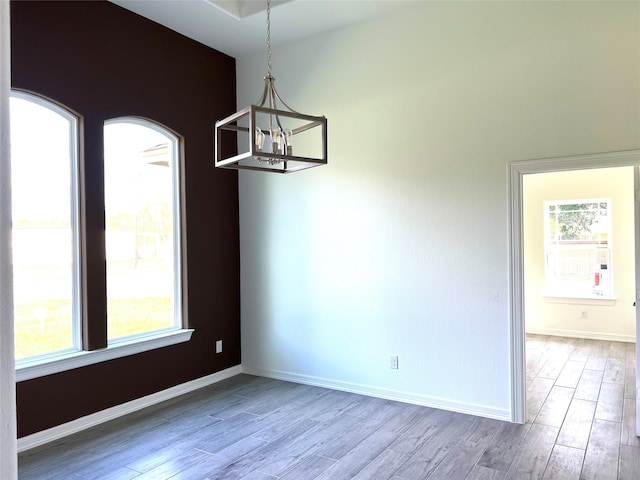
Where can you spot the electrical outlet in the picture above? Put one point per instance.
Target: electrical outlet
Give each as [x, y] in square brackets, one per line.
[219, 346]
[393, 362]
[584, 314]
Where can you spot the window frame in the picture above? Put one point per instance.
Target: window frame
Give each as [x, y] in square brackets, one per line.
[177, 201]
[551, 288]
[82, 358]
[75, 224]
[40, 365]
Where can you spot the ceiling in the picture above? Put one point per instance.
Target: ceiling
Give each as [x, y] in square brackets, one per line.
[238, 27]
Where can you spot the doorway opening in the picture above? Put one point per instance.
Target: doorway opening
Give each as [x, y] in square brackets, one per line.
[517, 172]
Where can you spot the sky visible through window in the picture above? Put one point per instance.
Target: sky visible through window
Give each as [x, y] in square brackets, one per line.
[40, 146]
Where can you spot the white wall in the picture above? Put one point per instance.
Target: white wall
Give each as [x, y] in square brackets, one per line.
[399, 245]
[8, 443]
[606, 319]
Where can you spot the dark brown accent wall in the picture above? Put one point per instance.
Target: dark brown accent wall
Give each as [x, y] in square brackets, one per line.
[103, 61]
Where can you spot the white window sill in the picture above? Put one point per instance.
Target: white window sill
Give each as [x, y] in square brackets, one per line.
[26, 370]
[575, 300]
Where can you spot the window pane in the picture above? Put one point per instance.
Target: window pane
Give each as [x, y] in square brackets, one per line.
[583, 223]
[577, 249]
[43, 183]
[579, 272]
[140, 194]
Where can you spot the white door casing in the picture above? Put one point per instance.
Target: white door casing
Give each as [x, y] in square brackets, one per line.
[516, 171]
[636, 229]
[8, 444]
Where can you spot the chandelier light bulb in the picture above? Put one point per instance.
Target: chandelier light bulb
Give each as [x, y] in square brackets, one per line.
[277, 140]
[288, 140]
[259, 139]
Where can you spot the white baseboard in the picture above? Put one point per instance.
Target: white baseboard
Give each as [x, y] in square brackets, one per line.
[610, 337]
[69, 428]
[371, 391]
[55, 433]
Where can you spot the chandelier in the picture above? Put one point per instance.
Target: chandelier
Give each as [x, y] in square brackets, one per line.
[270, 136]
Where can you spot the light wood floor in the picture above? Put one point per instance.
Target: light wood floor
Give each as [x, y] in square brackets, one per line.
[581, 417]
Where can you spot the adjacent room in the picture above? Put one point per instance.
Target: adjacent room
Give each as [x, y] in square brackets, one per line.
[380, 316]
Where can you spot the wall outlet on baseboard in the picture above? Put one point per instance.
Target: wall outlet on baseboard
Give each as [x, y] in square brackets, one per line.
[393, 362]
[219, 346]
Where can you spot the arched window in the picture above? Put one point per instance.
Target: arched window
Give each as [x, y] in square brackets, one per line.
[142, 220]
[46, 252]
[59, 324]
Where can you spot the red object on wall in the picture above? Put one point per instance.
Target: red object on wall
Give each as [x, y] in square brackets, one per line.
[597, 278]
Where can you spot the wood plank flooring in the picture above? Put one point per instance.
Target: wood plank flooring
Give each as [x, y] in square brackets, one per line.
[581, 425]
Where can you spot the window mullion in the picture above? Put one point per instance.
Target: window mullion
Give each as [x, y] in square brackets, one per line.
[94, 285]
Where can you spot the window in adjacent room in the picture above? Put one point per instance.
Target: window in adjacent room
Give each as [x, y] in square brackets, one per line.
[578, 248]
[142, 220]
[44, 184]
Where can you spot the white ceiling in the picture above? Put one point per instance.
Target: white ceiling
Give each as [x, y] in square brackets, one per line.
[237, 27]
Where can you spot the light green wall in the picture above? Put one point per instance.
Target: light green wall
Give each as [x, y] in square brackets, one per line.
[605, 319]
[399, 246]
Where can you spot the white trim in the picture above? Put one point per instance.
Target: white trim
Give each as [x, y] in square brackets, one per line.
[516, 298]
[75, 426]
[606, 302]
[56, 433]
[608, 337]
[637, 412]
[372, 391]
[516, 170]
[636, 249]
[8, 457]
[41, 367]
